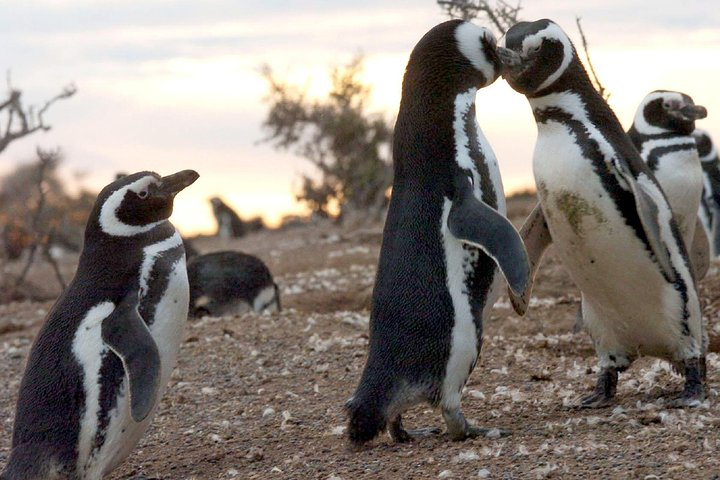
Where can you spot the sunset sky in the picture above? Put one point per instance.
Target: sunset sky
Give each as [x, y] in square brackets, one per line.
[167, 85]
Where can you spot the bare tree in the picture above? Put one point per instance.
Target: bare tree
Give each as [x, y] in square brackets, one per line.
[17, 121]
[42, 236]
[501, 14]
[349, 146]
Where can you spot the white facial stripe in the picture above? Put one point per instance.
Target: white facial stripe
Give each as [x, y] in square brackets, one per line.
[111, 224]
[468, 37]
[554, 32]
[641, 124]
[89, 351]
[150, 253]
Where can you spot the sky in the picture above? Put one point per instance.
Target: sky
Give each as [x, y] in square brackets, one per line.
[167, 85]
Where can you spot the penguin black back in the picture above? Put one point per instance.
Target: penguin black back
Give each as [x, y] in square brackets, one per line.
[428, 283]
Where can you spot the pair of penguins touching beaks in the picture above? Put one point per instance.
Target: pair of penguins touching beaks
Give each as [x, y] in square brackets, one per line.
[101, 361]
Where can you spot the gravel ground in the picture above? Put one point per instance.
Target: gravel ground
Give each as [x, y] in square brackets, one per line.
[261, 396]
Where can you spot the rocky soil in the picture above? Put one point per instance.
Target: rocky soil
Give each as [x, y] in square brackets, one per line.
[260, 396]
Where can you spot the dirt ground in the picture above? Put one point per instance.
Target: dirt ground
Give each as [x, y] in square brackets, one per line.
[261, 396]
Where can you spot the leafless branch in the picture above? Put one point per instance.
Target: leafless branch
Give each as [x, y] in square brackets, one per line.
[53, 263]
[31, 118]
[41, 240]
[501, 14]
[598, 86]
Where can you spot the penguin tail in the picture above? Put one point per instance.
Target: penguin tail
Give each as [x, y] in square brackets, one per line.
[367, 411]
[277, 297]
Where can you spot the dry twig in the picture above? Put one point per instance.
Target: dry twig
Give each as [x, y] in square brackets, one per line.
[598, 86]
[41, 239]
[30, 119]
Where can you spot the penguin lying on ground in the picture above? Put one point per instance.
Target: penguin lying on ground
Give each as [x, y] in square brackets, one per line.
[437, 278]
[100, 363]
[710, 202]
[662, 133]
[230, 283]
[607, 217]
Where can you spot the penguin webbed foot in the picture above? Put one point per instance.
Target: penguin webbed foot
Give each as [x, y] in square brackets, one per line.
[693, 392]
[400, 435]
[459, 429]
[604, 391]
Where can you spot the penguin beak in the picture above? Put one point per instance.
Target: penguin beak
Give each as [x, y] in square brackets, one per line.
[511, 61]
[693, 112]
[172, 184]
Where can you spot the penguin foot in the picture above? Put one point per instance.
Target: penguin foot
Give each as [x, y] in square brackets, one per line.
[400, 435]
[694, 391]
[604, 391]
[459, 429]
[471, 431]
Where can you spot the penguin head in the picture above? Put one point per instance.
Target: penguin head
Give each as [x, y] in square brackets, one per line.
[454, 55]
[664, 111]
[137, 203]
[705, 146]
[535, 55]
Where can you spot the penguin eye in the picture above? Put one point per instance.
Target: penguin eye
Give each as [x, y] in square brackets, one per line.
[535, 49]
[143, 194]
[666, 105]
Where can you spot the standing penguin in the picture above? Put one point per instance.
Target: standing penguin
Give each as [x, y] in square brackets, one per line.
[101, 361]
[662, 133]
[710, 202]
[230, 225]
[607, 216]
[445, 232]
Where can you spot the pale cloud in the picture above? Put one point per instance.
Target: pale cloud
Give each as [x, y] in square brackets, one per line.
[166, 85]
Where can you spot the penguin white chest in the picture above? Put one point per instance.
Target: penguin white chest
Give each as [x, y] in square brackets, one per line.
[680, 176]
[631, 303]
[164, 284]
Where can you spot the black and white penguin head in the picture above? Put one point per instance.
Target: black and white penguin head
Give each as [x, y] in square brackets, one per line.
[137, 203]
[664, 111]
[535, 55]
[705, 145]
[455, 55]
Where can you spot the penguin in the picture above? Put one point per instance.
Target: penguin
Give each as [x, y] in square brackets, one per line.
[607, 216]
[229, 223]
[100, 363]
[444, 238]
[662, 133]
[710, 201]
[230, 283]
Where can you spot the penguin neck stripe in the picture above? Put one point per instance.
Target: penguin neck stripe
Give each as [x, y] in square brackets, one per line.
[553, 32]
[109, 221]
[150, 253]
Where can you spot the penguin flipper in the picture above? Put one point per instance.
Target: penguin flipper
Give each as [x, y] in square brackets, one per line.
[127, 335]
[536, 237]
[478, 224]
[649, 213]
[700, 251]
